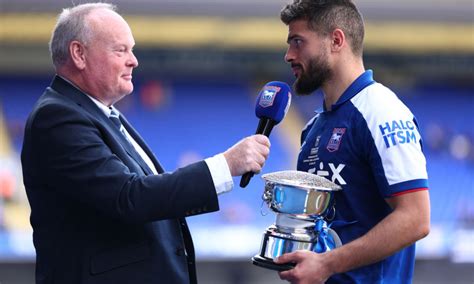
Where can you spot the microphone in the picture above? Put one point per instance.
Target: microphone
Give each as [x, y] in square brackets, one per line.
[273, 103]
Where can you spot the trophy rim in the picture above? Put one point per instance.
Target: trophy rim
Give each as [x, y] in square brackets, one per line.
[269, 178]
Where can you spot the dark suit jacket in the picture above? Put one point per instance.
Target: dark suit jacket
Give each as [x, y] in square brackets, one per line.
[97, 212]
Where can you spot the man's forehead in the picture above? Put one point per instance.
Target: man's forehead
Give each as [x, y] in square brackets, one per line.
[299, 27]
[300, 24]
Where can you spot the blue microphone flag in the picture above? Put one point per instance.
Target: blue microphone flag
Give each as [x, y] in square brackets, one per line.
[273, 101]
[272, 105]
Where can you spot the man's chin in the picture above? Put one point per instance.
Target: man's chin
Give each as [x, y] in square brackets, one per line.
[303, 90]
[128, 89]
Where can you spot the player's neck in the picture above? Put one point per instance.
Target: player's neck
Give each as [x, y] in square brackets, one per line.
[342, 78]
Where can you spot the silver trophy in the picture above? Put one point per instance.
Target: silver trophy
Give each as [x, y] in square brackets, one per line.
[303, 203]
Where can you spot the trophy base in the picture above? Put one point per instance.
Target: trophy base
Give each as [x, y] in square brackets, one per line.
[269, 264]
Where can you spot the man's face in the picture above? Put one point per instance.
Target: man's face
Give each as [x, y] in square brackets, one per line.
[109, 57]
[308, 55]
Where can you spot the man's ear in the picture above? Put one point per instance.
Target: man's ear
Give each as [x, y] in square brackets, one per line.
[77, 53]
[338, 40]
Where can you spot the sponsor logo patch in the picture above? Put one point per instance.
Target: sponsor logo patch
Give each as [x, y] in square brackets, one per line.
[398, 132]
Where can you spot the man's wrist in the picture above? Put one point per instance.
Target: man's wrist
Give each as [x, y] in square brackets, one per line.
[332, 262]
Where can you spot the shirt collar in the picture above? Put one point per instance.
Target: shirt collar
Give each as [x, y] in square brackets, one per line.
[107, 110]
[364, 80]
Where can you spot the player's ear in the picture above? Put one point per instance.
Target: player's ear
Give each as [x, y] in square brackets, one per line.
[338, 40]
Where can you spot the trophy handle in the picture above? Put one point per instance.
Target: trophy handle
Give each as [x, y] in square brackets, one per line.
[335, 237]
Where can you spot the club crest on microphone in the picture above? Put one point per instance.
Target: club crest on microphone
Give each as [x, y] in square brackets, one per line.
[267, 95]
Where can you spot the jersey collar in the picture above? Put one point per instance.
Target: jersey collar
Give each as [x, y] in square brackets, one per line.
[364, 80]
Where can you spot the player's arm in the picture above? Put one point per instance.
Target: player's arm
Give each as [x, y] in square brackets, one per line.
[408, 222]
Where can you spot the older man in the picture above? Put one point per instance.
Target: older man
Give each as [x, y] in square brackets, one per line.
[102, 208]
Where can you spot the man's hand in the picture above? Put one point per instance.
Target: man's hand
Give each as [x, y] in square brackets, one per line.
[311, 267]
[248, 155]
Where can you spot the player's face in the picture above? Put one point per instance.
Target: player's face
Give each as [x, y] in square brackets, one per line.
[109, 58]
[308, 56]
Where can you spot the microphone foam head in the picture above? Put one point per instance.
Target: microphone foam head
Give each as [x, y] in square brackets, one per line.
[273, 101]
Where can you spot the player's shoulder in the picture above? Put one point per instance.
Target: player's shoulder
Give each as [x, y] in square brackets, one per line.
[310, 123]
[379, 102]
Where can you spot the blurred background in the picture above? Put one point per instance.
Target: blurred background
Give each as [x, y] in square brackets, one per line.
[202, 63]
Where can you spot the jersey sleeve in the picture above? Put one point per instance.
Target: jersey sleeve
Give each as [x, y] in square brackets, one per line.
[393, 142]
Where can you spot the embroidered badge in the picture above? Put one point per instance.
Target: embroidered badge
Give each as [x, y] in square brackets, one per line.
[335, 140]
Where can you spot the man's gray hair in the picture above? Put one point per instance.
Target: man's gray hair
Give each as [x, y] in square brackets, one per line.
[70, 26]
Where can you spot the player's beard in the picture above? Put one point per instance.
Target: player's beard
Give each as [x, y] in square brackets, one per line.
[318, 72]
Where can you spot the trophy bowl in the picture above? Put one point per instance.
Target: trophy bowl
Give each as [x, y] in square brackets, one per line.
[301, 201]
[298, 193]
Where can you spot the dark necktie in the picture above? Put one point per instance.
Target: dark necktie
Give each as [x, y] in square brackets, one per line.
[116, 120]
[114, 117]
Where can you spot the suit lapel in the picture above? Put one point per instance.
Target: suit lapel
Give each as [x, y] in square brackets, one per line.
[142, 144]
[65, 88]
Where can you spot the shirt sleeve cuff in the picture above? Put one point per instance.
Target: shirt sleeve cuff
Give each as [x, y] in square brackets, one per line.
[220, 173]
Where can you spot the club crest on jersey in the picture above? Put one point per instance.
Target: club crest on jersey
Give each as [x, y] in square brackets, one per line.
[268, 95]
[335, 140]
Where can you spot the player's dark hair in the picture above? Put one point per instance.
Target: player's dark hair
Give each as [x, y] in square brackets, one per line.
[324, 16]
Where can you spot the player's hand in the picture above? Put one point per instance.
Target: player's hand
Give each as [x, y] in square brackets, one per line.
[310, 268]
